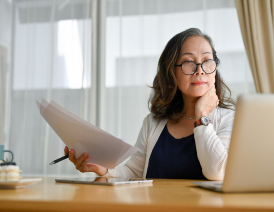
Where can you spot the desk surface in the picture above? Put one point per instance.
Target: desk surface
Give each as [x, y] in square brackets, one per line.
[162, 195]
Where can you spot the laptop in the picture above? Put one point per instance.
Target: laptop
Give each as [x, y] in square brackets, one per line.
[104, 181]
[250, 163]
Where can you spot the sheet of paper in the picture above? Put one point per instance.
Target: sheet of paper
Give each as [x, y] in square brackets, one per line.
[104, 149]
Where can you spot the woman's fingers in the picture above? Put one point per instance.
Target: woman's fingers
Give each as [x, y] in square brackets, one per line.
[81, 163]
[212, 100]
[89, 167]
[66, 150]
[80, 160]
[84, 165]
[72, 157]
[209, 93]
[206, 103]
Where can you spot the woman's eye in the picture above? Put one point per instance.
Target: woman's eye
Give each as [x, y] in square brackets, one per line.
[208, 59]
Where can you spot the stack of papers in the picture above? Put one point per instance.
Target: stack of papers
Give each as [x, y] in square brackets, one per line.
[104, 149]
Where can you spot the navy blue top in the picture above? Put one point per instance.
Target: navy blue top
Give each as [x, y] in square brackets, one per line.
[173, 158]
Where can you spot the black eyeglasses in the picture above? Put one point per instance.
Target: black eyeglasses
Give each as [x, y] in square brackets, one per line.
[190, 67]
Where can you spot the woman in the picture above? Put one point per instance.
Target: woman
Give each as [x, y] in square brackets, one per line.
[187, 133]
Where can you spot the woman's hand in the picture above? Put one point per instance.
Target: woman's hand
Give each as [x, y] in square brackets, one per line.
[206, 103]
[82, 164]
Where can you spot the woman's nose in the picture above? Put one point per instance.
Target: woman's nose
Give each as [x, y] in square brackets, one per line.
[199, 70]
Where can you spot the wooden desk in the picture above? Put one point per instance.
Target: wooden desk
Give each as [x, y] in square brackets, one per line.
[163, 195]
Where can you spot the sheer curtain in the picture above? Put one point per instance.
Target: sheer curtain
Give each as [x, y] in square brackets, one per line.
[3, 71]
[51, 60]
[5, 49]
[136, 34]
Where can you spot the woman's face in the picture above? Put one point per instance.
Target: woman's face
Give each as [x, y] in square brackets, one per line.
[195, 49]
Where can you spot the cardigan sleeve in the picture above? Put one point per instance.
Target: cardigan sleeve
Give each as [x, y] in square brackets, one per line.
[212, 147]
[134, 167]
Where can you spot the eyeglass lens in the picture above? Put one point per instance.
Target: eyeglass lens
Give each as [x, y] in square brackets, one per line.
[189, 67]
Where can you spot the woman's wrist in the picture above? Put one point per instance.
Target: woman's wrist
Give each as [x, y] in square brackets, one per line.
[200, 114]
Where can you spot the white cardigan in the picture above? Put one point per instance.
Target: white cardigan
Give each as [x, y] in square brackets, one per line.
[212, 144]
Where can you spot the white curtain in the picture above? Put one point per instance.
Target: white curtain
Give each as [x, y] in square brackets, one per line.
[51, 60]
[136, 34]
[5, 48]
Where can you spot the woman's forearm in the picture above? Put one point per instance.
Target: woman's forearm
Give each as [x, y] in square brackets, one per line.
[211, 152]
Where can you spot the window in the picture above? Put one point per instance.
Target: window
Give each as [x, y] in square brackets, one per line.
[52, 60]
[97, 58]
[136, 34]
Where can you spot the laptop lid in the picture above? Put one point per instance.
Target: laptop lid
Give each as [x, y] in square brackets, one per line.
[250, 164]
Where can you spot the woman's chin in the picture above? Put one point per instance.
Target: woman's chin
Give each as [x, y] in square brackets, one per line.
[197, 94]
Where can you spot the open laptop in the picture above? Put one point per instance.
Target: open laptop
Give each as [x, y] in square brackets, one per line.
[250, 163]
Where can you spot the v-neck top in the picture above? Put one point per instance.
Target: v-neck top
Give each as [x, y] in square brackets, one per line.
[173, 158]
[212, 145]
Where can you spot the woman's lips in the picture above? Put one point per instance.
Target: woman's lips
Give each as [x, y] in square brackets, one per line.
[198, 83]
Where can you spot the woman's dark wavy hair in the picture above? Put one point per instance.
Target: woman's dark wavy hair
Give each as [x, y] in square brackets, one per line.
[166, 99]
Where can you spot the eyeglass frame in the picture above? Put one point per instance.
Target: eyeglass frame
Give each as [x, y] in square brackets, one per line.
[197, 66]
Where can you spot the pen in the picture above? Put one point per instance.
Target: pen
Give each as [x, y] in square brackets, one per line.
[59, 159]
